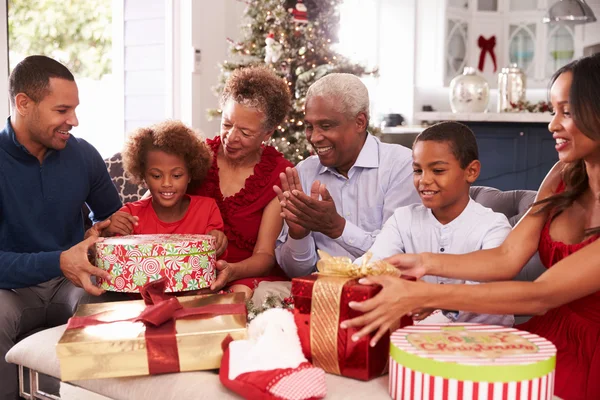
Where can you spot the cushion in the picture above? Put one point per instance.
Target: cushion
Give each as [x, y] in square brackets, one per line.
[38, 353]
[512, 203]
[128, 191]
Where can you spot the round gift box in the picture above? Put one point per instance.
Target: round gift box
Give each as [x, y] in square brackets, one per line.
[470, 361]
[186, 261]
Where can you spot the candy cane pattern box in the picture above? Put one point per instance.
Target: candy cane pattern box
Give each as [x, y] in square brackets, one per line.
[470, 361]
[187, 261]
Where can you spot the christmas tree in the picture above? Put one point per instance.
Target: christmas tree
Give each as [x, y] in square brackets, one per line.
[296, 39]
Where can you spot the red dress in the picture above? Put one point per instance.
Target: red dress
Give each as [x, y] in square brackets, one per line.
[242, 212]
[574, 328]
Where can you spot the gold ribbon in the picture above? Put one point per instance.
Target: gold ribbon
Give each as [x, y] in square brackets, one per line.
[334, 273]
[343, 266]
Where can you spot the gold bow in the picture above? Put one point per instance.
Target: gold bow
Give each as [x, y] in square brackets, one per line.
[343, 266]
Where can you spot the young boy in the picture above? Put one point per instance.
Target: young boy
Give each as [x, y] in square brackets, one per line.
[445, 164]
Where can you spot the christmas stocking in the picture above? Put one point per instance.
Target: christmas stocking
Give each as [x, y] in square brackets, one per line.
[270, 363]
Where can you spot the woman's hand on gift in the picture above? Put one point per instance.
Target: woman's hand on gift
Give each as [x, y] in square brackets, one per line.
[224, 275]
[121, 223]
[422, 313]
[75, 266]
[398, 297]
[221, 241]
[409, 264]
[290, 180]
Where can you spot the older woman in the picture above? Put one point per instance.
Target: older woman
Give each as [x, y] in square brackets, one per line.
[244, 170]
[564, 226]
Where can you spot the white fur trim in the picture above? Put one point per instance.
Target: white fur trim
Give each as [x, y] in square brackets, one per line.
[272, 343]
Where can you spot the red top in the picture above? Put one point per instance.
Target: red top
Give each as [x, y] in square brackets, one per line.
[242, 212]
[201, 217]
[574, 328]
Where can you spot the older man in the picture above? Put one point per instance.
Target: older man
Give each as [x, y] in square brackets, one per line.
[339, 199]
[47, 176]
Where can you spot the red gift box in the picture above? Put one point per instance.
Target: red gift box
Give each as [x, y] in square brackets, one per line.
[320, 305]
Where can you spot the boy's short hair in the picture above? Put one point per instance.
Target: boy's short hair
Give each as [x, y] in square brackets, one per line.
[459, 136]
[32, 77]
[172, 137]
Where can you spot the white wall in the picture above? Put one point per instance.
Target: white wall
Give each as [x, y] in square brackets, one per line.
[4, 102]
[212, 22]
[395, 89]
[144, 62]
[591, 32]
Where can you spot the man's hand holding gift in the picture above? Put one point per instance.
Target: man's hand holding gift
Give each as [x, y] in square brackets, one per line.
[75, 263]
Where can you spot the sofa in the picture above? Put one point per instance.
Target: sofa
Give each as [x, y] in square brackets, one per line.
[36, 354]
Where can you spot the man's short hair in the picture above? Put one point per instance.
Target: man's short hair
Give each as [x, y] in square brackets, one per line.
[459, 136]
[32, 77]
[347, 89]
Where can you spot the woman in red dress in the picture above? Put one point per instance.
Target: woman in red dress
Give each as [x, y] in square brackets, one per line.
[564, 224]
[244, 170]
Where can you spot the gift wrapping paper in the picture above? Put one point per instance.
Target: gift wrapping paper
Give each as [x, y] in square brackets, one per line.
[186, 261]
[121, 348]
[320, 305]
[470, 361]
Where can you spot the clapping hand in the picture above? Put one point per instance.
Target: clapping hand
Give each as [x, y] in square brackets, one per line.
[305, 213]
[290, 181]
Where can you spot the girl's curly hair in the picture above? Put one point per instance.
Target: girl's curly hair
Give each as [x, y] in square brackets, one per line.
[172, 137]
[261, 88]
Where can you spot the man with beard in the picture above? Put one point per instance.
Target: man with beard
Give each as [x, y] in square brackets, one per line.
[47, 176]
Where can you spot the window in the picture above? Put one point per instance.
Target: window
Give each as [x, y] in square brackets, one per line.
[81, 37]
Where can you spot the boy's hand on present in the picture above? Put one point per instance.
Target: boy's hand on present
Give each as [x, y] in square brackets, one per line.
[397, 298]
[290, 180]
[221, 241]
[409, 264]
[75, 266]
[316, 212]
[121, 223]
[224, 275]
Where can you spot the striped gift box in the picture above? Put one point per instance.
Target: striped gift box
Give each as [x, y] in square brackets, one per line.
[470, 361]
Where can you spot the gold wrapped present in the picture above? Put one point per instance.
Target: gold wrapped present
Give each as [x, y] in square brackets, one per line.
[109, 340]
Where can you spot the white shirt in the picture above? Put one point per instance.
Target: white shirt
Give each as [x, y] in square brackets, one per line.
[379, 182]
[414, 229]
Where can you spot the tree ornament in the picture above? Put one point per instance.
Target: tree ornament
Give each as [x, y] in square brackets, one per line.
[299, 13]
[272, 50]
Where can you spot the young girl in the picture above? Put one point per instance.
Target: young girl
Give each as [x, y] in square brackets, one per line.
[167, 157]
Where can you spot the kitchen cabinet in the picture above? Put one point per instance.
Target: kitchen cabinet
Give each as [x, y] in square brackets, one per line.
[451, 35]
[513, 155]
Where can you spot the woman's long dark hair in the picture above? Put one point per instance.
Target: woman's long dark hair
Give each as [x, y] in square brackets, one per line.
[584, 99]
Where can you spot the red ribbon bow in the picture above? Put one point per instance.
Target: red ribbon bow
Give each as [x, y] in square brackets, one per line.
[486, 46]
[159, 317]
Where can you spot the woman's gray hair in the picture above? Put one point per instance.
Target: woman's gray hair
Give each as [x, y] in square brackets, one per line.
[348, 90]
